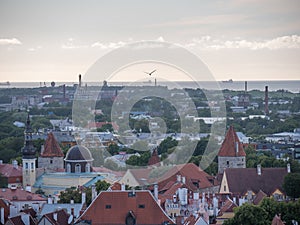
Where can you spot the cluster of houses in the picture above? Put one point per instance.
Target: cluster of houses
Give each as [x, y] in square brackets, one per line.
[159, 194]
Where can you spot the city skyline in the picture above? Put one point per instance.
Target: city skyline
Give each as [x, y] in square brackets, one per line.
[239, 40]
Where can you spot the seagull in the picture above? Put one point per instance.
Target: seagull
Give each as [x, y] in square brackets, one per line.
[150, 72]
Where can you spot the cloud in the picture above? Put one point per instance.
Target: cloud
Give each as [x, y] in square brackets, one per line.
[71, 45]
[110, 45]
[207, 42]
[11, 41]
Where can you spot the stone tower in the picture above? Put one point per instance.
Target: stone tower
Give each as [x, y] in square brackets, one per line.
[28, 157]
[231, 154]
[51, 157]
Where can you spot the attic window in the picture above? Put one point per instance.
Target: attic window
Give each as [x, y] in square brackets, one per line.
[131, 194]
[108, 206]
[14, 197]
[51, 161]
[141, 206]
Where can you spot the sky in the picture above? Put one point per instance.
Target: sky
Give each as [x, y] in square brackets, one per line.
[236, 39]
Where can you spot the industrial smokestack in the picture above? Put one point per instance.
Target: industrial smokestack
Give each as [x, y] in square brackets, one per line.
[79, 80]
[246, 86]
[266, 100]
[64, 91]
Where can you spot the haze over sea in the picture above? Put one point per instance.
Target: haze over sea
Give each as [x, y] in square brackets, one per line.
[274, 85]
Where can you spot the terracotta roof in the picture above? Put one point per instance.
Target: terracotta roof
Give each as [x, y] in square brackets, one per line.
[228, 147]
[277, 221]
[17, 220]
[113, 207]
[154, 159]
[61, 218]
[228, 206]
[52, 148]
[259, 197]
[240, 180]
[8, 170]
[20, 195]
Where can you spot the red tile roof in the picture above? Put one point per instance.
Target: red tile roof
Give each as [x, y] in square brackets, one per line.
[240, 180]
[17, 220]
[277, 221]
[154, 159]
[8, 170]
[259, 197]
[112, 207]
[20, 195]
[52, 148]
[228, 206]
[61, 218]
[228, 147]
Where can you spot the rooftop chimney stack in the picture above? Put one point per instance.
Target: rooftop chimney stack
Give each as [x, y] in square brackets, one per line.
[288, 168]
[156, 192]
[266, 100]
[15, 164]
[79, 80]
[259, 169]
[64, 91]
[123, 188]
[237, 148]
[246, 86]
[83, 197]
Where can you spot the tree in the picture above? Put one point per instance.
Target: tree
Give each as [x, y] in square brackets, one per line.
[69, 194]
[166, 144]
[248, 214]
[291, 185]
[102, 185]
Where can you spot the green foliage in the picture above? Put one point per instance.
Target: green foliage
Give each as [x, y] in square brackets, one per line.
[3, 181]
[102, 185]
[113, 149]
[141, 160]
[166, 144]
[265, 212]
[69, 194]
[291, 185]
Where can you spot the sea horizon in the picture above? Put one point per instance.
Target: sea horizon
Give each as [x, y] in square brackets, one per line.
[273, 85]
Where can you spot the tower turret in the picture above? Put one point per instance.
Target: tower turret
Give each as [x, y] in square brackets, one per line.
[28, 156]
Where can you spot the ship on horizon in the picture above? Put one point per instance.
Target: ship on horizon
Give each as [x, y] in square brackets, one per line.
[5, 83]
[227, 81]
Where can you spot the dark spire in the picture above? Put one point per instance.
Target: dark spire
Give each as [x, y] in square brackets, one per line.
[28, 151]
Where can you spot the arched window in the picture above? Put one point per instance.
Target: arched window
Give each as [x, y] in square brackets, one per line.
[68, 168]
[88, 168]
[77, 168]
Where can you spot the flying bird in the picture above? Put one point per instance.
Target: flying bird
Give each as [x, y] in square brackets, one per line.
[150, 72]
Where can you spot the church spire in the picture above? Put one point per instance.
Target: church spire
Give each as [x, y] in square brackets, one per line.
[28, 151]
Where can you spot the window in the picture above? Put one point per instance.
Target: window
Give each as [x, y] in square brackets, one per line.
[26, 165]
[225, 188]
[88, 168]
[141, 206]
[227, 163]
[51, 161]
[77, 168]
[108, 206]
[68, 168]
[32, 165]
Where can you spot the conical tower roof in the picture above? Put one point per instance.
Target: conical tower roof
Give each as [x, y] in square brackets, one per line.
[231, 146]
[52, 148]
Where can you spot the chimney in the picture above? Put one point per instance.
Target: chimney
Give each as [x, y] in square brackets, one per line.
[237, 148]
[196, 195]
[203, 197]
[64, 91]
[288, 166]
[83, 197]
[28, 188]
[50, 200]
[79, 80]
[25, 218]
[42, 149]
[183, 180]
[156, 192]
[94, 192]
[266, 100]
[234, 199]
[246, 84]
[55, 216]
[15, 164]
[259, 169]
[123, 188]
[178, 178]
[72, 201]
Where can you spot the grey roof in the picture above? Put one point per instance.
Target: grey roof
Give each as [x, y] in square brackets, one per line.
[48, 208]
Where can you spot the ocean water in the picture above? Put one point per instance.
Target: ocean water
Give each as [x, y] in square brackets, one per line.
[289, 85]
